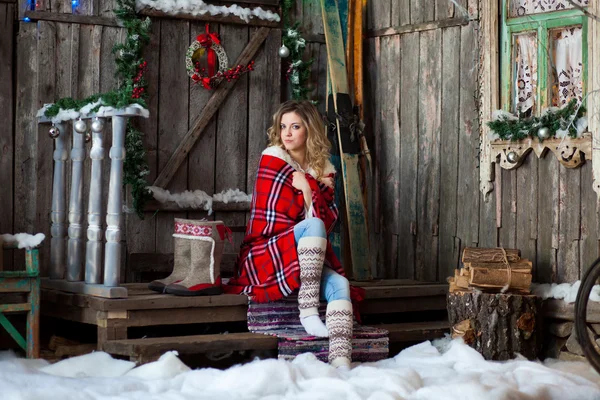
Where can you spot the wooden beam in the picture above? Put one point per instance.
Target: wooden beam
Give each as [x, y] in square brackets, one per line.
[154, 205]
[426, 26]
[221, 19]
[11, 308]
[208, 112]
[314, 37]
[395, 292]
[71, 18]
[180, 316]
[416, 331]
[407, 304]
[489, 92]
[559, 309]
[192, 344]
[273, 3]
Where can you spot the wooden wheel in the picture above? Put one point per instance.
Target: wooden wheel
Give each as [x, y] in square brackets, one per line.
[581, 303]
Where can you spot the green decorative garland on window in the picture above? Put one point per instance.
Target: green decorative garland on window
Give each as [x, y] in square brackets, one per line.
[298, 72]
[132, 90]
[510, 127]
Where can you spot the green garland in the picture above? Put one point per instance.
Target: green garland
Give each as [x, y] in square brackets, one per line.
[299, 71]
[115, 98]
[520, 127]
[132, 90]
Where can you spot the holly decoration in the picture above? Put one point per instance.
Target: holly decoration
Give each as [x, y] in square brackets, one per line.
[139, 84]
[212, 81]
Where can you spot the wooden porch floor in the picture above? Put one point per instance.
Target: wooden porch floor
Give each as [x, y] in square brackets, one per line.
[145, 308]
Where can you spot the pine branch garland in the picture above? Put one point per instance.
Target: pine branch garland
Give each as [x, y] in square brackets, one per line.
[298, 72]
[513, 128]
[136, 169]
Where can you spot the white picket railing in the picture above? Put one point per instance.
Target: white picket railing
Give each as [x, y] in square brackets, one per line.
[73, 266]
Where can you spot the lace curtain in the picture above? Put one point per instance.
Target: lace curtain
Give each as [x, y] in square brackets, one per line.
[567, 66]
[519, 8]
[526, 72]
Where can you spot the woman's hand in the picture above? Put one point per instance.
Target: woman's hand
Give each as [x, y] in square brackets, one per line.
[327, 181]
[299, 182]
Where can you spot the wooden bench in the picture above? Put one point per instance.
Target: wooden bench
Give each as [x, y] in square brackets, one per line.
[26, 283]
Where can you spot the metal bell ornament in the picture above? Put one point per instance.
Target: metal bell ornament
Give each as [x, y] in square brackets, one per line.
[544, 133]
[284, 52]
[512, 157]
[54, 132]
[80, 126]
[97, 125]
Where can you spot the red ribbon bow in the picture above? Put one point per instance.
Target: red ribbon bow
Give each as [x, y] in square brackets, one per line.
[206, 40]
[225, 232]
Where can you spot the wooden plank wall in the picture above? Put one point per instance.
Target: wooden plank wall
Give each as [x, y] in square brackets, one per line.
[423, 122]
[7, 137]
[56, 59]
[422, 125]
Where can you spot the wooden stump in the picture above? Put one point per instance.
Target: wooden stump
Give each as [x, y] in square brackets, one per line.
[497, 325]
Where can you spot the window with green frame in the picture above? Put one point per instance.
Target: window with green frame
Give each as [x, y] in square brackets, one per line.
[543, 54]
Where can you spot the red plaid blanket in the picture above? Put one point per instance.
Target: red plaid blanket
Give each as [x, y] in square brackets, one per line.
[267, 267]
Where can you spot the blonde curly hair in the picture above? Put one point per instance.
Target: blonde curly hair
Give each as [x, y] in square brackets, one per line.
[317, 144]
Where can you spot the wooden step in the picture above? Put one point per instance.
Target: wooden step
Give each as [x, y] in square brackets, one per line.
[559, 309]
[384, 299]
[149, 349]
[416, 331]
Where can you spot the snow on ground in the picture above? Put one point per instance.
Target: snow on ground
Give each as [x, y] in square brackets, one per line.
[24, 240]
[451, 370]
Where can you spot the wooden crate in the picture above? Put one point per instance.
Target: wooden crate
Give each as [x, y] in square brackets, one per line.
[20, 293]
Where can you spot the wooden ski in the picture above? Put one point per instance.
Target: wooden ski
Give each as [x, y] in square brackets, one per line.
[354, 59]
[339, 237]
[348, 141]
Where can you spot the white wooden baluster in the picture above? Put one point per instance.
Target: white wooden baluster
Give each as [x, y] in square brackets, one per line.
[112, 257]
[93, 264]
[75, 246]
[58, 229]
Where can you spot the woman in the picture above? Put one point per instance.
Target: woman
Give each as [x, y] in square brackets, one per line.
[293, 210]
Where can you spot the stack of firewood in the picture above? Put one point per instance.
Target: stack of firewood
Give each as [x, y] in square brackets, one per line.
[487, 270]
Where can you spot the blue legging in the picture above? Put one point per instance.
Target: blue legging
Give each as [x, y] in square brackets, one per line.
[333, 285]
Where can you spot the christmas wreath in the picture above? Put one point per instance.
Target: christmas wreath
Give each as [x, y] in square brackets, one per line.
[209, 44]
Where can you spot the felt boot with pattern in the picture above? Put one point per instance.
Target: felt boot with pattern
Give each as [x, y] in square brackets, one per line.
[181, 265]
[206, 239]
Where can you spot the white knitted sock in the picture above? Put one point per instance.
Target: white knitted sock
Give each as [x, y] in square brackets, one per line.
[314, 326]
